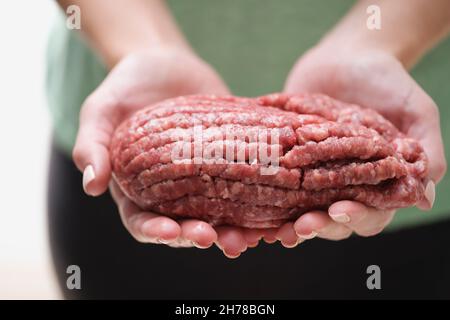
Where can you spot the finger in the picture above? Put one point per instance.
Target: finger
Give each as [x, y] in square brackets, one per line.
[270, 235]
[116, 192]
[145, 227]
[231, 241]
[91, 151]
[253, 236]
[319, 223]
[363, 220]
[287, 236]
[158, 229]
[201, 234]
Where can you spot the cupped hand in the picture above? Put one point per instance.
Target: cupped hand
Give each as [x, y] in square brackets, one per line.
[377, 80]
[139, 80]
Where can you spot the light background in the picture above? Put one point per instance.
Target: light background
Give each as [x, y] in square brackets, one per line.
[25, 267]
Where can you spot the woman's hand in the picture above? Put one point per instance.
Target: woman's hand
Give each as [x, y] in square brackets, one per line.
[356, 64]
[372, 79]
[137, 81]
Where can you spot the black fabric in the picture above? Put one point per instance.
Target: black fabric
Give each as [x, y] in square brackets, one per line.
[87, 232]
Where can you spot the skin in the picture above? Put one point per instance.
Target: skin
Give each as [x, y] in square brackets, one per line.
[150, 61]
[137, 81]
[369, 68]
[375, 80]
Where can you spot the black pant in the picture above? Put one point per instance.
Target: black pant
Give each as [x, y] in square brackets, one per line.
[87, 232]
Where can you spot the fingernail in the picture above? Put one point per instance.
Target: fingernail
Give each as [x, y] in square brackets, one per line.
[253, 245]
[291, 246]
[230, 256]
[310, 236]
[430, 192]
[269, 240]
[88, 177]
[163, 241]
[341, 217]
[195, 244]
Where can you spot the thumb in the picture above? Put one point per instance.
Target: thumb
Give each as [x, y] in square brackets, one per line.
[425, 127]
[98, 119]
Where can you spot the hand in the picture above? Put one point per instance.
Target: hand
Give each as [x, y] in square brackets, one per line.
[139, 80]
[377, 80]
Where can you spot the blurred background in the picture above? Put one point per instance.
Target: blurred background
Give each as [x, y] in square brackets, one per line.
[25, 267]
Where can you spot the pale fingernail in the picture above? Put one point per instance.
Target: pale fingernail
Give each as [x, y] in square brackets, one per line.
[253, 245]
[430, 192]
[291, 246]
[269, 240]
[341, 217]
[310, 236]
[195, 244]
[230, 256]
[88, 177]
[163, 241]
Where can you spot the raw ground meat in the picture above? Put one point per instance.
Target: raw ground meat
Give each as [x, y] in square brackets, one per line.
[259, 162]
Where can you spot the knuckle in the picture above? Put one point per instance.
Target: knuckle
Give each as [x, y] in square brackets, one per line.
[424, 108]
[441, 169]
[430, 113]
[79, 156]
[432, 109]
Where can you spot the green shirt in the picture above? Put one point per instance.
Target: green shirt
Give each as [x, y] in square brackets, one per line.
[252, 44]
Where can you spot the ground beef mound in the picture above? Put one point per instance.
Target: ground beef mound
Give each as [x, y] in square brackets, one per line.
[321, 150]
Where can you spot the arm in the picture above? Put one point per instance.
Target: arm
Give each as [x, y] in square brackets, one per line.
[367, 67]
[409, 28]
[150, 61]
[115, 30]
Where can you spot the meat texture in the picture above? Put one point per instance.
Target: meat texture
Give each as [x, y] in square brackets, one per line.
[259, 162]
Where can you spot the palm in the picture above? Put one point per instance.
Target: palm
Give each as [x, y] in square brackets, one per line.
[376, 81]
[373, 80]
[148, 77]
[140, 80]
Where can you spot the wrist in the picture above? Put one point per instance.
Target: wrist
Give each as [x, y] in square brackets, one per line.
[358, 46]
[117, 52]
[404, 34]
[152, 26]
